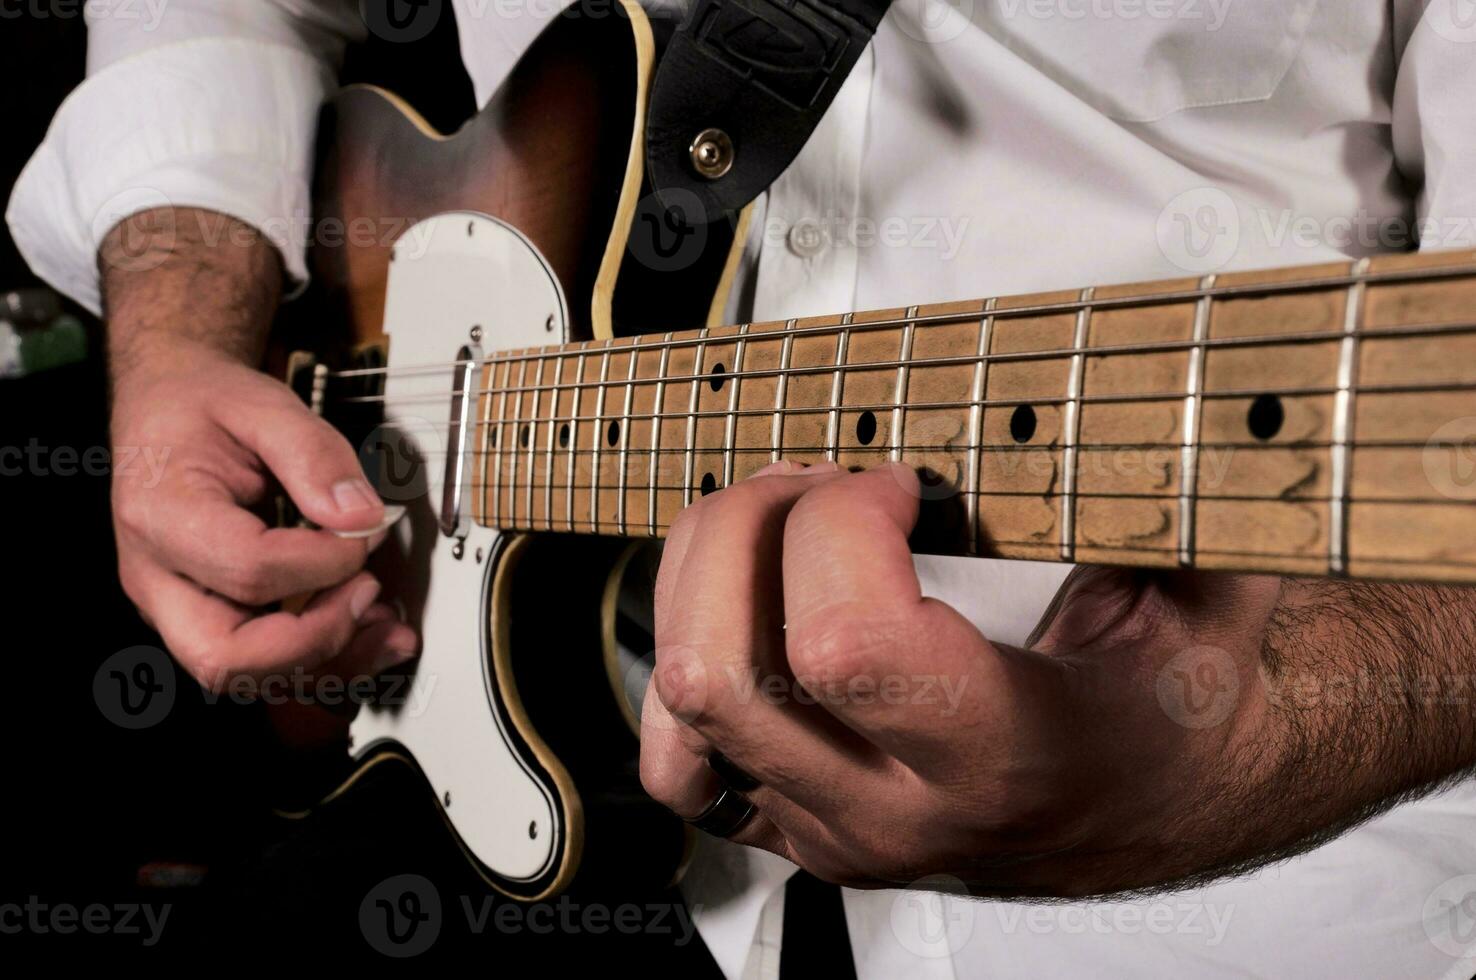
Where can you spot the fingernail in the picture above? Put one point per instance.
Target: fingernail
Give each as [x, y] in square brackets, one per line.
[391, 658]
[392, 514]
[377, 539]
[354, 494]
[783, 466]
[362, 598]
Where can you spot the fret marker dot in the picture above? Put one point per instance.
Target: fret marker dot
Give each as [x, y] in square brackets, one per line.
[612, 435]
[716, 382]
[709, 483]
[866, 428]
[564, 436]
[1022, 424]
[1265, 417]
[526, 435]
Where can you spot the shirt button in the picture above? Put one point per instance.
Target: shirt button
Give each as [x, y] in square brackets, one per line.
[806, 239]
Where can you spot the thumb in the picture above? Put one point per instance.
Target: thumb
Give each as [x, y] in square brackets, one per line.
[314, 463]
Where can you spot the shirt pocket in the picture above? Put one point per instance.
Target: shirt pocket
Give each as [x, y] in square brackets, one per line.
[1140, 60]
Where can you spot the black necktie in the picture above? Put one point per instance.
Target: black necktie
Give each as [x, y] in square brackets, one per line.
[815, 941]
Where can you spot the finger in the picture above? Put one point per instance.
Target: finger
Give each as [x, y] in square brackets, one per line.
[679, 538]
[720, 666]
[218, 641]
[682, 780]
[380, 644]
[313, 462]
[206, 535]
[907, 673]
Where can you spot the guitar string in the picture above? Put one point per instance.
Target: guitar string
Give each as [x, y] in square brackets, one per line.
[1434, 387]
[954, 491]
[1240, 290]
[1331, 338]
[1050, 549]
[523, 449]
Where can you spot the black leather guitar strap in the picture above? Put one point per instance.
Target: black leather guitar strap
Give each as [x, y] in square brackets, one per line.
[740, 88]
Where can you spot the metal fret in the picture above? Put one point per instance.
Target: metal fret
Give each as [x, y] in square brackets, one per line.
[1342, 425]
[692, 417]
[479, 503]
[781, 386]
[574, 437]
[900, 400]
[832, 428]
[976, 423]
[1170, 347]
[656, 416]
[731, 426]
[512, 480]
[597, 436]
[532, 441]
[1189, 451]
[553, 414]
[497, 439]
[625, 441]
[1071, 428]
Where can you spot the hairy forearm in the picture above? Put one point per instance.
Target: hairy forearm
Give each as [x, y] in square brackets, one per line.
[176, 277]
[1370, 699]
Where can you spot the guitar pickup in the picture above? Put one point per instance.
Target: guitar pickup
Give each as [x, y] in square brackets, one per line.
[456, 481]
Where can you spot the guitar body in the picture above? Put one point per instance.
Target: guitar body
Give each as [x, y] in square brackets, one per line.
[513, 233]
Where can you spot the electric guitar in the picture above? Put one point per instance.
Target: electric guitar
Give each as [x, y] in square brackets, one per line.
[527, 346]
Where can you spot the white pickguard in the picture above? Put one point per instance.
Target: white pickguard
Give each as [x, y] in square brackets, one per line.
[452, 273]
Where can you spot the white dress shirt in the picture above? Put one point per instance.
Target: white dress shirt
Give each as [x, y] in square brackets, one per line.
[982, 147]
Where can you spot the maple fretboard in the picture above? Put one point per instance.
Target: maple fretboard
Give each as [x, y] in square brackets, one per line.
[1315, 420]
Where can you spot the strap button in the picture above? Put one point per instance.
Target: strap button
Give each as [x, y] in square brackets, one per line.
[712, 153]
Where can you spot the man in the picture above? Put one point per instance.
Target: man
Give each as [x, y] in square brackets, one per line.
[1156, 732]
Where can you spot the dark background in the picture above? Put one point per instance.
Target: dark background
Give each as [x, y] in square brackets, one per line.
[180, 812]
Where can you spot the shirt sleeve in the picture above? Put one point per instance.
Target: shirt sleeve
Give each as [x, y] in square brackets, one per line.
[1434, 117]
[212, 104]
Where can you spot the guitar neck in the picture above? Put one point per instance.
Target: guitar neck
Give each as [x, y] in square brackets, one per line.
[1314, 420]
